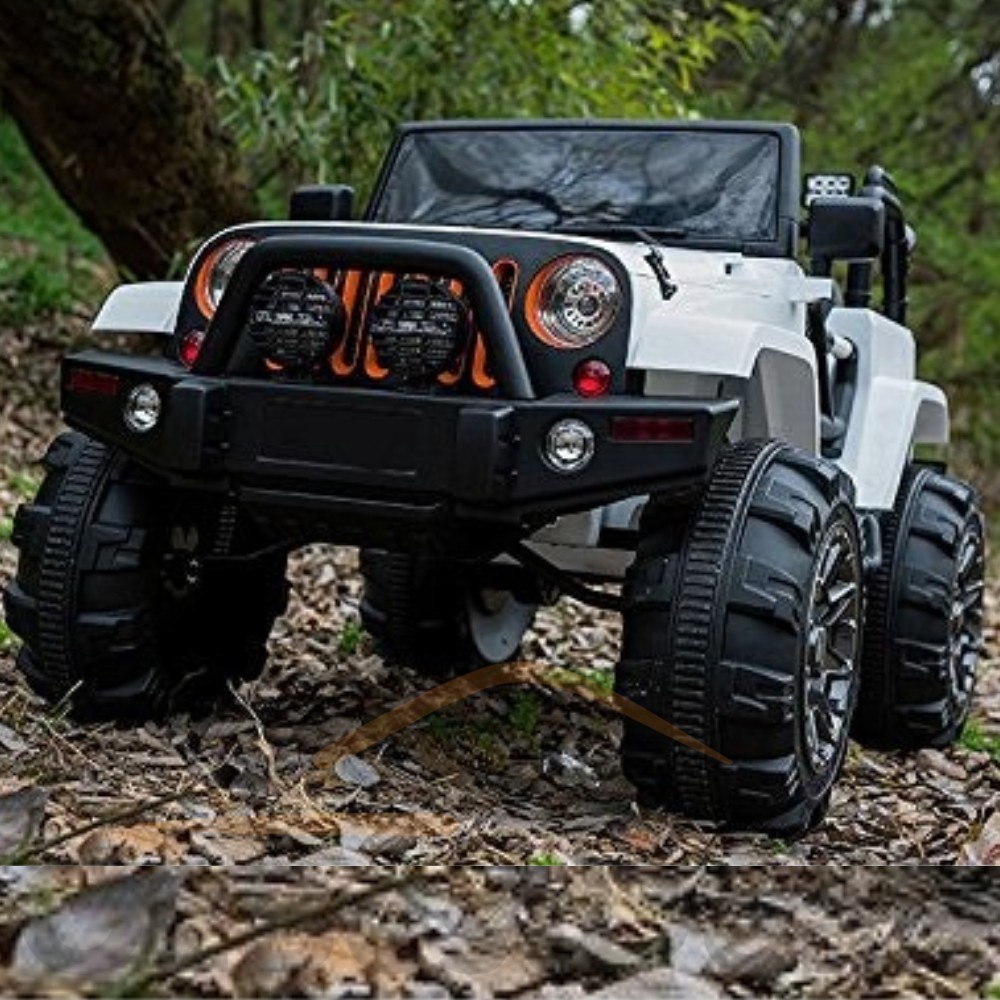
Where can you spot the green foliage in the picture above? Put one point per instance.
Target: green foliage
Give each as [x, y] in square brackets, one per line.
[914, 87]
[601, 682]
[24, 484]
[546, 858]
[6, 528]
[325, 110]
[48, 261]
[973, 738]
[525, 713]
[7, 638]
[351, 637]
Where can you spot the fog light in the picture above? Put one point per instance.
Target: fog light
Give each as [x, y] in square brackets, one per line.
[142, 409]
[569, 445]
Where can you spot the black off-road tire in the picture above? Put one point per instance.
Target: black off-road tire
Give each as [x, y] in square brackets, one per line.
[724, 638]
[419, 612]
[105, 620]
[923, 624]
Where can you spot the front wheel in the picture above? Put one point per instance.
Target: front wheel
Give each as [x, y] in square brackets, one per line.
[742, 627]
[126, 609]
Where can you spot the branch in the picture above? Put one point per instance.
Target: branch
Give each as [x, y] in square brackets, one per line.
[294, 917]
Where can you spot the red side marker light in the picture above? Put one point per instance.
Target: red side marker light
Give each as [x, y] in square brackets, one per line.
[190, 347]
[675, 430]
[591, 378]
[86, 380]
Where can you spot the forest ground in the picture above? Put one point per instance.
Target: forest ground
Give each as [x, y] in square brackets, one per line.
[511, 776]
[523, 776]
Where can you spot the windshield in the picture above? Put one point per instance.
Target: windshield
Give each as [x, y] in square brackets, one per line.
[700, 184]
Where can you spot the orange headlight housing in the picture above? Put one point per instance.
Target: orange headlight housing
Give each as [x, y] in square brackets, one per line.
[572, 302]
[214, 274]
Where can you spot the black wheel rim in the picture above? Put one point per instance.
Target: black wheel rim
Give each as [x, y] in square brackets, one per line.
[832, 645]
[965, 620]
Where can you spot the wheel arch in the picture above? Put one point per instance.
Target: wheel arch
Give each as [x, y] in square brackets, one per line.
[772, 368]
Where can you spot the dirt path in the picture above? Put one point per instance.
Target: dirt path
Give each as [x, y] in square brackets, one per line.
[509, 776]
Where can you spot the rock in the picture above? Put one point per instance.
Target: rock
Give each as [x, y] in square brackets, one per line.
[692, 951]
[334, 855]
[355, 771]
[477, 973]
[438, 915]
[588, 952]
[568, 771]
[422, 990]
[562, 991]
[663, 983]
[757, 961]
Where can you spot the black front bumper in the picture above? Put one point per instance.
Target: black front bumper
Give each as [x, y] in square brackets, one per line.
[359, 457]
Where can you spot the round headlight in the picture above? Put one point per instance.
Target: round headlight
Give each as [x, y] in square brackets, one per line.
[142, 409]
[215, 273]
[573, 301]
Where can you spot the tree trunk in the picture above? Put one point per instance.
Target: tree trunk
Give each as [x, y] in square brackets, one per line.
[127, 136]
[258, 25]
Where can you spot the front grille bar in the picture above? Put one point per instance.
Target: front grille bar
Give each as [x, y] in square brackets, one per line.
[374, 254]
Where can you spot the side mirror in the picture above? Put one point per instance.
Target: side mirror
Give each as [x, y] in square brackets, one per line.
[322, 203]
[851, 229]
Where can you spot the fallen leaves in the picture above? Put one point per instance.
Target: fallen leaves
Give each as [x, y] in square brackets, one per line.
[984, 848]
[101, 935]
[21, 816]
[318, 965]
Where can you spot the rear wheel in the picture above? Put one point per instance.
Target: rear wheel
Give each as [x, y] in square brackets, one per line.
[923, 631]
[742, 628]
[425, 614]
[123, 609]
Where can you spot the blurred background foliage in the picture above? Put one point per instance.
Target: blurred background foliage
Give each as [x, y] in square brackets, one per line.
[310, 91]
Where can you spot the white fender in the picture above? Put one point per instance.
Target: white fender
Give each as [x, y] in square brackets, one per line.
[773, 368]
[892, 410]
[150, 307]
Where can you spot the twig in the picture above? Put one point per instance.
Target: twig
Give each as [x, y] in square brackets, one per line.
[26, 854]
[266, 750]
[293, 917]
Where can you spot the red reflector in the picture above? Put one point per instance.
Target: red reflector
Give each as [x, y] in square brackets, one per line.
[679, 430]
[191, 347]
[97, 383]
[591, 378]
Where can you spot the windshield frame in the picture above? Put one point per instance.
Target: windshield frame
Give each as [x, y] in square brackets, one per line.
[785, 243]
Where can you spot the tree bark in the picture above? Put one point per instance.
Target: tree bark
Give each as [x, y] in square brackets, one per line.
[128, 137]
[258, 25]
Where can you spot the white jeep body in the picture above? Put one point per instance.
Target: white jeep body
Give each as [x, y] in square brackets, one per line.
[736, 329]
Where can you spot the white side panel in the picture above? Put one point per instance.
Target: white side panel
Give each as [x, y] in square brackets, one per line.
[774, 368]
[149, 307]
[892, 411]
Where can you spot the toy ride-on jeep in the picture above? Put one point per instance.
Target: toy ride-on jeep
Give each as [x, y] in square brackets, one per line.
[553, 356]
